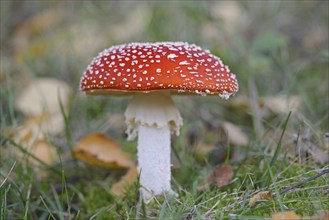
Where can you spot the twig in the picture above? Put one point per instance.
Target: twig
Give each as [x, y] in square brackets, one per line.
[302, 182]
[8, 174]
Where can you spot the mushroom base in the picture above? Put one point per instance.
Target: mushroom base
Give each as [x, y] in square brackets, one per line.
[154, 161]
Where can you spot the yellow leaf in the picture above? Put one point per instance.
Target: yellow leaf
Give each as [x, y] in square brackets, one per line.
[40, 149]
[287, 215]
[43, 95]
[261, 196]
[119, 187]
[97, 149]
[43, 151]
[270, 104]
[31, 136]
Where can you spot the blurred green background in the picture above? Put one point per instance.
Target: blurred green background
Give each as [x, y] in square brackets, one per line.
[281, 45]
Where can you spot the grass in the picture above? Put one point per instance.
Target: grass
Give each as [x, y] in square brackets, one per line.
[270, 48]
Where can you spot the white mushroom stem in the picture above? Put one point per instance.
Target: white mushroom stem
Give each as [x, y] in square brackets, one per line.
[154, 160]
[153, 116]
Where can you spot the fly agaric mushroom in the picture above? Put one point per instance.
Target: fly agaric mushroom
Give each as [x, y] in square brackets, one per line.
[152, 72]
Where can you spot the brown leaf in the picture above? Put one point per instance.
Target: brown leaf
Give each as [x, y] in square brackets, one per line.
[119, 187]
[287, 215]
[220, 176]
[43, 95]
[98, 149]
[259, 197]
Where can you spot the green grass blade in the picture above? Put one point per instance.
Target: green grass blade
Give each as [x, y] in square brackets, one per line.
[279, 146]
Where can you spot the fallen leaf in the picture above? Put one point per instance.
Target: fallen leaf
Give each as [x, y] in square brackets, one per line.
[235, 135]
[43, 151]
[43, 95]
[259, 197]
[282, 104]
[40, 149]
[37, 127]
[220, 176]
[28, 133]
[268, 105]
[287, 215]
[98, 149]
[126, 180]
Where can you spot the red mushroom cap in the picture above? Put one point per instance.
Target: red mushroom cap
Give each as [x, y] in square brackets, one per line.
[146, 67]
